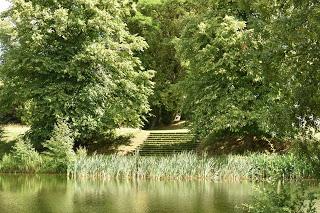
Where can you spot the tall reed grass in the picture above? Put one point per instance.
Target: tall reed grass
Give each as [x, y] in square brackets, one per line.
[192, 166]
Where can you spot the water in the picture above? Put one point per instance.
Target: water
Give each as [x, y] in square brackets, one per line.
[47, 194]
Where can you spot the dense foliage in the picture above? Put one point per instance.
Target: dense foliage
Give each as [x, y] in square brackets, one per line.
[23, 159]
[216, 51]
[74, 61]
[242, 69]
[281, 198]
[160, 23]
[59, 152]
[252, 67]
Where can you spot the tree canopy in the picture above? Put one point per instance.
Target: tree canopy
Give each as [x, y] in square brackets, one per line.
[252, 67]
[73, 61]
[160, 23]
[233, 66]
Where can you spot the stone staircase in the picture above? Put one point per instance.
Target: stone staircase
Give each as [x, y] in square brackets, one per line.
[167, 143]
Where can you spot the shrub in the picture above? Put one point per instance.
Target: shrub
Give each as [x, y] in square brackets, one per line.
[283, 199]
[59, 152]
[307, 148]
[81, 153]
[24, 158]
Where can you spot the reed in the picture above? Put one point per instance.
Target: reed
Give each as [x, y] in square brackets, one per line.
[192, 166]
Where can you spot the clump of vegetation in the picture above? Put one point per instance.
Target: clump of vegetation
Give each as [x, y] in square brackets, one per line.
[59, 152]
[307, 147]
[160, 22]
[81, 63]
[23, 159]
[189, 165]
[55, 159]
[282, 199]
[239, 68]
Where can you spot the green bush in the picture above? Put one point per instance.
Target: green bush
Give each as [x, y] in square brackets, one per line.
[24, 158]
[307, 148]
[59, 152]
[282, 199]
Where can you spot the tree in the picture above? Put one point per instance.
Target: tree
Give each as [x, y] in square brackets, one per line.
[73, 61]
[252, 67]
[160, 23]
[291, 37]
[222, 92]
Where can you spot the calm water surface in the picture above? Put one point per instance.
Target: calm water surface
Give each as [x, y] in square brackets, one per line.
[47, 194]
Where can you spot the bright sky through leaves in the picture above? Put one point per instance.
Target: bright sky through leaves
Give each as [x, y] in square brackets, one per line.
[4, 5]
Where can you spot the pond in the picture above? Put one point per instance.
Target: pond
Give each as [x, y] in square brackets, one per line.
[57, 194]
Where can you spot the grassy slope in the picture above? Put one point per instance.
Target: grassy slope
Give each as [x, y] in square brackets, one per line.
[137, 137]
[10, 134]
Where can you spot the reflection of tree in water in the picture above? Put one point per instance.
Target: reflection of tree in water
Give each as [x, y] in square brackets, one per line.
[28, 193]
[192, 196]
[167, 196]
[16, 193]
[56, 194]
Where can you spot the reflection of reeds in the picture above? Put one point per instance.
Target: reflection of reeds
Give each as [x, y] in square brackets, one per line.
[188, 165]
[51, 193]
[139, 195]
[29, 183]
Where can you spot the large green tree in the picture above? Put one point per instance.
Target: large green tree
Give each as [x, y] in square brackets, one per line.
[73, 61]
[290, 50]
[252, 67]
[160, 22]
[223, 93]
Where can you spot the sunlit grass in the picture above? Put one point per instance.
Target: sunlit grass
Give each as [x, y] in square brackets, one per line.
[10, 133]
[13, 131]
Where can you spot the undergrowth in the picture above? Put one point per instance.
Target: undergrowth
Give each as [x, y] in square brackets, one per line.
[190, 165]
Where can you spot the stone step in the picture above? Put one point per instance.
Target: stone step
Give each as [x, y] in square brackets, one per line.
[160, 143]
[167, 149]
[172, 135]
[170, 139]
[186, 138]
[164, 152]
[170, 144]
[167, 141]
[160, 153]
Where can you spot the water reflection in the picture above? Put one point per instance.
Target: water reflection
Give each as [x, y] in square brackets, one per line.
[57, 194]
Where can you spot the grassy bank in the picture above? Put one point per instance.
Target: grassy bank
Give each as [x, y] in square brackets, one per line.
[188, 165]
[61, 158]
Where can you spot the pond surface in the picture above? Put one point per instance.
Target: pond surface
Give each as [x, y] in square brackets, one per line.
[47, 194]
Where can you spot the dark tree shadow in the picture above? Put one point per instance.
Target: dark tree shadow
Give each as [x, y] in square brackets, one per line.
[5, 145]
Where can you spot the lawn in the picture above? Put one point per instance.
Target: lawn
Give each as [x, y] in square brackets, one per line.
[10, 133]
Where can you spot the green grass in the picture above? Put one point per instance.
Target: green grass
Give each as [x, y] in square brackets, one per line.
[13, 131]
[9, 135]
[191, 166]
[180, 166]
